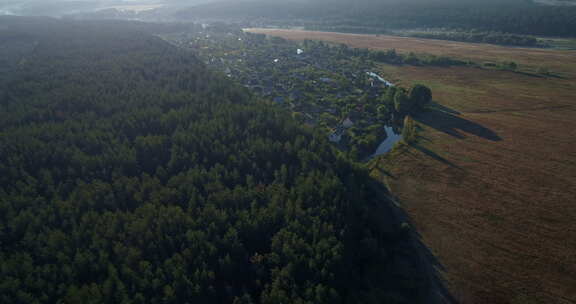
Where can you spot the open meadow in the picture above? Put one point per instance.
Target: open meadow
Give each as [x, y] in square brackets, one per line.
[491, 183]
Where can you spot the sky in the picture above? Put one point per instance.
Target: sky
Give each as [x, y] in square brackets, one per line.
[59, 7]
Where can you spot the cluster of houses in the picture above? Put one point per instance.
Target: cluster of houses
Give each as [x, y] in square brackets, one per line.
[300, 78]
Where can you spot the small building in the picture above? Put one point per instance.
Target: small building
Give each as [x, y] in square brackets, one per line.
[335, 137]
[336, 134]
[347, 123]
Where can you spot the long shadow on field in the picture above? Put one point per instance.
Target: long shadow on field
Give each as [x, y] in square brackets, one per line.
[548, 75]
[447, 120]
[426, 263]
[384, 172]
[434, 155]
[437, 106]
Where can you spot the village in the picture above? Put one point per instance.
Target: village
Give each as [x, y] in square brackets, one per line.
[326, 86]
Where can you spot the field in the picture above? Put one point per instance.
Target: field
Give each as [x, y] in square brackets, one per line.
[555, 60]
[491, 183]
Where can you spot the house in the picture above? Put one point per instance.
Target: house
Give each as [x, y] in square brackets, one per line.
[335, 137]
[347, 123]
[336, 134]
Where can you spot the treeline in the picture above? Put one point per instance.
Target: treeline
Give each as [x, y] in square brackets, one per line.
[390, 56]
[480, 37]
[129, 173]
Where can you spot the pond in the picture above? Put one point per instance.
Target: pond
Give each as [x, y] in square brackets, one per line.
[386, 82]
[392, 137]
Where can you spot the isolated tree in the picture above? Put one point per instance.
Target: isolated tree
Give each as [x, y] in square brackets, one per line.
[402, 103]
[420, 95]
[509, 65]
[382, 110]
[409, 130]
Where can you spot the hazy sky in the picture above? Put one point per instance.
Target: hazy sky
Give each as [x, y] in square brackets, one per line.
[57, 7]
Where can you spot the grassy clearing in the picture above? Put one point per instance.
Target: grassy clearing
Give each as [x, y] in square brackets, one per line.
[490, 183]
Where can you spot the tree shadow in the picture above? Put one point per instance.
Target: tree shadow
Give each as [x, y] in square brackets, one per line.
[434, 156]
[538, 75]
[436, 291]
[554, 75]
[437, 106]
[447, 120]
[535, 75]
[384, 172]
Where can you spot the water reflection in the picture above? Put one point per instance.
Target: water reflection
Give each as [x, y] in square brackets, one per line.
[393, 135]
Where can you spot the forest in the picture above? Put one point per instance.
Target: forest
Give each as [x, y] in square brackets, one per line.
[132, 173]
[370, 16]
